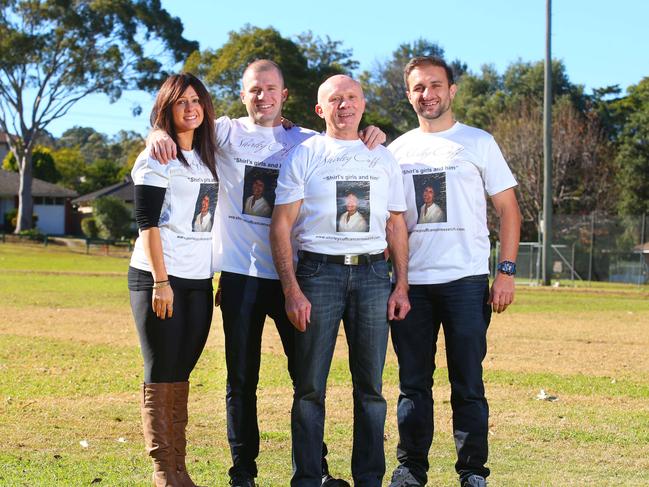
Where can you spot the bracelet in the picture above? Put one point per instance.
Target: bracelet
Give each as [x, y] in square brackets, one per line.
[158, 282]
[161, 284]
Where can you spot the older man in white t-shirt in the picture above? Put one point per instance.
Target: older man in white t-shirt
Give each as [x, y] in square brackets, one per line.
[249, 289]
[341, 275]
[448, 274]
[352, 220]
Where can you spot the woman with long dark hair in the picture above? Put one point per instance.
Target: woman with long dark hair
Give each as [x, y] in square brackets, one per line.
[170, 276]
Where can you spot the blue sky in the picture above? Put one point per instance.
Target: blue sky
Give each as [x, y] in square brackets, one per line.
[601, 42]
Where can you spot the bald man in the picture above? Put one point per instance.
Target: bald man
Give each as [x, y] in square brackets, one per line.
[339, 276]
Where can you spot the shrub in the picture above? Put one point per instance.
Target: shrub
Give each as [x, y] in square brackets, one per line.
[11, 219]
[113, 217]
[89, 227]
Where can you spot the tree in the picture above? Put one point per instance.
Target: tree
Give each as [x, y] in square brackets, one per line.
[482, 98]
[304, 62]
[387, 105]
[71, 166]
[632, 159]
[99, 174]
[42, 161]
[55, 52]
[581, 169]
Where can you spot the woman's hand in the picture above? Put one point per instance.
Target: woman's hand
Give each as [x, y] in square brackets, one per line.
[163, 302]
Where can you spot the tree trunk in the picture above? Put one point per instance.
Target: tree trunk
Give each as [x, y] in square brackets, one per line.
[25, 200]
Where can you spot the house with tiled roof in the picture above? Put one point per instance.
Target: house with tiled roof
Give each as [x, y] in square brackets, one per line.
[122, 190]
[52, 204]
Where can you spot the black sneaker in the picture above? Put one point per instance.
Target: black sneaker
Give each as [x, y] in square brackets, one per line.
[402, 477]
[329, 481]
[242, 480]
[474, 480]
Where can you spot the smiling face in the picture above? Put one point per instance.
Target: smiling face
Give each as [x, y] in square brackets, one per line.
[341, 104]
[257, 188]
[430, 95]
[429, 195]
[205, 204]
[187, 111]
[263, 94]
[351, 203]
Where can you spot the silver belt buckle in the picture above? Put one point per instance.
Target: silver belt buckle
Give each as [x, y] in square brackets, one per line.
[351, 260]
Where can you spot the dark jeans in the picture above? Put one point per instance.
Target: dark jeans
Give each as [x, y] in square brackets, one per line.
[461, 308]
[358, 295]
[245, 303]
[171, 347]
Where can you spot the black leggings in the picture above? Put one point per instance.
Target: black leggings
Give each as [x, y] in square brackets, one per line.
[171, 347]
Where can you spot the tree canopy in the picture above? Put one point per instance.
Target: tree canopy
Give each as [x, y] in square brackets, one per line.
[55, 52]
[305, 63]
[632, 158]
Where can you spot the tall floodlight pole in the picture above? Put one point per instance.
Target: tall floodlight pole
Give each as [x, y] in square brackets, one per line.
[547, 152]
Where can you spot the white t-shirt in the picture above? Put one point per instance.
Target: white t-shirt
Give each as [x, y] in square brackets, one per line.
[432, 214]
[460, 163]
[247, 154]
[189, 192]
[329, 175]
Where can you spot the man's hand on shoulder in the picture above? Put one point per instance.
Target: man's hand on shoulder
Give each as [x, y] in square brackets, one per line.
[161, 146]
[501, 294]
[287, 124]
[372, 136]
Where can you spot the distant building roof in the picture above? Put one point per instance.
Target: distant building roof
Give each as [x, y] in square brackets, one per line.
[123, 191]
[10, 183]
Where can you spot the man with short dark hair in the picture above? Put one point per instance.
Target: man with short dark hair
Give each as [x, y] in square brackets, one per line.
[339, 276]
[448, 274]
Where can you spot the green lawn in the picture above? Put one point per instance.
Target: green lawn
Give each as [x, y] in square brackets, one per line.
[70, 370]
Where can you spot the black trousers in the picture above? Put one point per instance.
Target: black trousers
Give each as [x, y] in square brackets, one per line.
[171, 347]
[461, 308]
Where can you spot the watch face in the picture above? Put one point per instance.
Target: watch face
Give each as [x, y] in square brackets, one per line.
[507, 267]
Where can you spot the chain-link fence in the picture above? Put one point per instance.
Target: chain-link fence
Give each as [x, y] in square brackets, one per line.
[593, 247]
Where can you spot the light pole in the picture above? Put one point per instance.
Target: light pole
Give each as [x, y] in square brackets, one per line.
[546, 227]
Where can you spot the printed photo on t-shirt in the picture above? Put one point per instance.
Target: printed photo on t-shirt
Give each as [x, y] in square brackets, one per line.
[353, 206]
[204, 208]
[259, 185]
[430, 197]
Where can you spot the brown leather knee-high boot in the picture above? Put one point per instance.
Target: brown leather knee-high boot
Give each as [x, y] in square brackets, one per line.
[180, 419]
[157, 424]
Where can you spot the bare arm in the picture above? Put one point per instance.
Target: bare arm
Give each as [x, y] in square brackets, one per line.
[397, 237]
[163, 297]
[298, 307]
[502, 289]
[162, 147]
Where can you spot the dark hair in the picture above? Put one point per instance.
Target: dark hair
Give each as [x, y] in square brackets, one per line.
[430, 61]
[204, 141]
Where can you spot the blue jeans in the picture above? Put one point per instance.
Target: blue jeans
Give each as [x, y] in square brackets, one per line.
[358, 295]
[461, 308]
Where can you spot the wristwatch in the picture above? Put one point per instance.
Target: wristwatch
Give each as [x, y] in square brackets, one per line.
[507, 267]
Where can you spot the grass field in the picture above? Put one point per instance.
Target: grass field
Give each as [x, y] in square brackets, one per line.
[70, 370]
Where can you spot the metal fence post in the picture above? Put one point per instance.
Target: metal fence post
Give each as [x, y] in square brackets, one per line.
[592, 241]
[641, 246]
